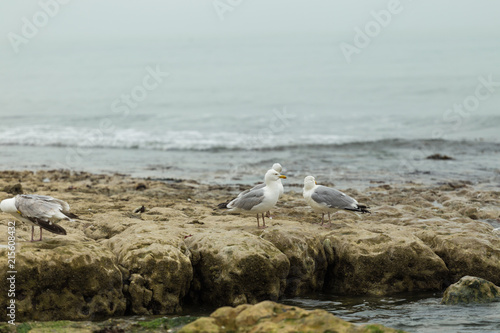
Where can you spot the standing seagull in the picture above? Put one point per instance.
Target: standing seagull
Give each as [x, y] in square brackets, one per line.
[258, 200]
[328, 200]
[277, 167]
[38, 210]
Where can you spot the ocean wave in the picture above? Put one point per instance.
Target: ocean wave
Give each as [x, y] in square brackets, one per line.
[72, 137]
[45, 136]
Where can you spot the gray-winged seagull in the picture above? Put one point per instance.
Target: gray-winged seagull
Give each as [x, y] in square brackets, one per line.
[277, 167]
[38, 210]
[259, 200]
[328, 200]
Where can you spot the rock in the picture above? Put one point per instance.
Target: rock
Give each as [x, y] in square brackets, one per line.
[467, 247]
[157, 267]
[382, 260]
[13, 189]
[419, 237]
[236, 267]
[113, 325]
[269, 316]
[470, 289]
[439, 157]
[307, 257]
[66, 277]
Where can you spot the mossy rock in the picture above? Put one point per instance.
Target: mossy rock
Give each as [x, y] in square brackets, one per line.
[470, 289]
[269, 316]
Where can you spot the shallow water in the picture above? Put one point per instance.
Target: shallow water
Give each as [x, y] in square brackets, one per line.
[355, 165]
[420, 313]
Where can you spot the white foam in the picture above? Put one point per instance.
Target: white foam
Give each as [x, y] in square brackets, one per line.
[170, 140]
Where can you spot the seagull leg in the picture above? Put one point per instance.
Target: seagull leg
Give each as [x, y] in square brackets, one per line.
[329, 220]
[32, 231]
[258, 224]
[263, 222]
[40, 234]
[322, 218]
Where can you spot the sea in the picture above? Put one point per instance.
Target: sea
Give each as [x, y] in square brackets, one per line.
[222, 110]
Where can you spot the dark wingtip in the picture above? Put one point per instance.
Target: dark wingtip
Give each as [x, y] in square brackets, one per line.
[364, 209]
[52, 227]
[360, 209]
[223, 205]
[71, 215]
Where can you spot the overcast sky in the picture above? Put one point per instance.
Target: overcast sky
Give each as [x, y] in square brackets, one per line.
[121, 19]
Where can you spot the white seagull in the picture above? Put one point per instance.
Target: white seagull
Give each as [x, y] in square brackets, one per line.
[328, 200]
[259, 200]
[38, 210]
[277, 167]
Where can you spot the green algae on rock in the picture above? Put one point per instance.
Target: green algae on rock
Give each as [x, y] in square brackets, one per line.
[235, 267]
[156, 266]
[470, 289]
[164, 324]
[65, 278]
[269, 316]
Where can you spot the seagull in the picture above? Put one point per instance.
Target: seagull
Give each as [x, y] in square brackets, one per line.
[38, 210]
[258, 200]
[276, 167]
[328, 200]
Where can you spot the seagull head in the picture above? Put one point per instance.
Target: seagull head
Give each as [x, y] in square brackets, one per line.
[8, 205]
[277, 167]
[309, 183]
[272, 176]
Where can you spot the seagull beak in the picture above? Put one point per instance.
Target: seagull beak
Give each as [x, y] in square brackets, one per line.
[315, 182]
[283, 176]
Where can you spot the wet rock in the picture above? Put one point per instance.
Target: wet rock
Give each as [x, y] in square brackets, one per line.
[13, 189]
[470, 289]
[157, 265]
[113, 325]
[382, 260]
[467, 247]
[307, 257]
[66, 277]
[273, 317]
[235, 267]
[439, 157]
[417, 238]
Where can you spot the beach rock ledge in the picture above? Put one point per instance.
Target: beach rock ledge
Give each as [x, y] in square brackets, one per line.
[181, 251]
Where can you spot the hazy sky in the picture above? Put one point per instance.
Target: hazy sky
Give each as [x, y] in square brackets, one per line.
[119, 19]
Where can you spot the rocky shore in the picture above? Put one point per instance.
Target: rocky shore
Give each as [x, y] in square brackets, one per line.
[263, 317]
[181, 251]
